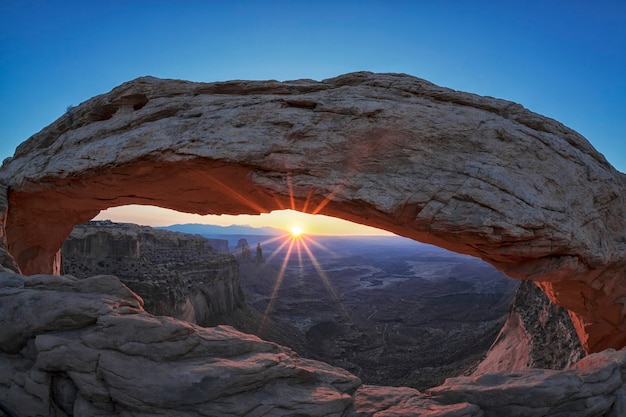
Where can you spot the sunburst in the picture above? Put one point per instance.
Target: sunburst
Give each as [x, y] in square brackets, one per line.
[298, 243]
[296, 232]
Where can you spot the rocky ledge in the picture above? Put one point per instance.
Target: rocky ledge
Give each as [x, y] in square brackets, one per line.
[88, 348]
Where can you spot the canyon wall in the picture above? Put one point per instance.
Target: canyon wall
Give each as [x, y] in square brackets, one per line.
[536, 334]
[176, 274]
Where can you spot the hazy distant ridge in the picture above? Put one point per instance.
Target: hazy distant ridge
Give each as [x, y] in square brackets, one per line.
[210, 229]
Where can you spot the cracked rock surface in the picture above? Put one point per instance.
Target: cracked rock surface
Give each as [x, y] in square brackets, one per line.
[92, 340]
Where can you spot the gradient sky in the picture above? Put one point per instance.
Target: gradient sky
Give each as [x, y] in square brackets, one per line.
[562, 59]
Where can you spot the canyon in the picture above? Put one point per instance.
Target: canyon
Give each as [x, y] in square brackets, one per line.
[389, 310]
[183, 276]
[476, 175]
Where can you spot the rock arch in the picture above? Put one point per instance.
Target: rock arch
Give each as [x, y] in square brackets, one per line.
[473, 174]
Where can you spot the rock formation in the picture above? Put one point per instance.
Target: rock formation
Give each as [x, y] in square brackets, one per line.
[473, 174]
[87, 348]
[176, 274]
[242, 250]
[102, 355]
[537, 334]
[258, 257]
[587, 389]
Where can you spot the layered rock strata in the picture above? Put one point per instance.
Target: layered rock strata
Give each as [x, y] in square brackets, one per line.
[472, 174]
[87, 348]
[176, 274]
[7, 262]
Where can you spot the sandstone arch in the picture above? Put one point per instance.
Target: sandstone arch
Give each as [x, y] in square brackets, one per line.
[472, 174]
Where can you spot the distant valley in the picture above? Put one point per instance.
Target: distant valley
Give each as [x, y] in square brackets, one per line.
[391, 310]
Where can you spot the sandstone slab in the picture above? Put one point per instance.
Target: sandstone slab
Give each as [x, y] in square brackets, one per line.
[116, 359]
[593, 387]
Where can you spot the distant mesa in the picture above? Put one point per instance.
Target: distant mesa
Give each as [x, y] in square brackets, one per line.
[216, 230]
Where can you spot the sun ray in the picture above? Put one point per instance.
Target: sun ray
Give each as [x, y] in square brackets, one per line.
[291, 197]
[300, 242]
[325, 280]
[307, 200]
[277, 284]
[318, 244]
[279, 248]
[228, 190]
[327, 199]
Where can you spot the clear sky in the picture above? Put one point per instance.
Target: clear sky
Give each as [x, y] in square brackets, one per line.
[562, 59]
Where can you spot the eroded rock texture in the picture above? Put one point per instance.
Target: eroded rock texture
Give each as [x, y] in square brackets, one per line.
[176, 274]
[472, 174]
[536, 334]
[86, 347]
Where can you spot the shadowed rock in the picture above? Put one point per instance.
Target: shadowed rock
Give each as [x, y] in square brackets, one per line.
[536, 334]
[176, 274]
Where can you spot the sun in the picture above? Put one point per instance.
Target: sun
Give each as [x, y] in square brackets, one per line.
[296, 231]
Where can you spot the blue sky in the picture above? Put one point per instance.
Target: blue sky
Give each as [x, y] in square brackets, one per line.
[562, 59]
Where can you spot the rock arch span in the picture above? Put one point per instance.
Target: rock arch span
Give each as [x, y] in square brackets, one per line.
[473, 174]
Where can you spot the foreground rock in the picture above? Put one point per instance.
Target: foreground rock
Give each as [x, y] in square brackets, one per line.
[472, 174]
[595, 386]
[176, 274]
[87, 348]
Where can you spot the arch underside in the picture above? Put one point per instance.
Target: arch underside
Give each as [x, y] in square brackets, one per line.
[475, 175]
